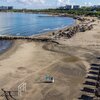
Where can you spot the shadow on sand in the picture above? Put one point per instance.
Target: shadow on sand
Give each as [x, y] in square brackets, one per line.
[85, 97]
[90, 83]
[91, 80]
[93, 72]
[95, 65]
[94, 68]
[87, 89]
[98, 57]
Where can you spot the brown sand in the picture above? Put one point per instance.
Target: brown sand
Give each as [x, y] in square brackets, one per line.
[68, 62]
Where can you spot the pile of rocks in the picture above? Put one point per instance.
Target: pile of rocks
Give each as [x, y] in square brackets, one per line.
[68, 33]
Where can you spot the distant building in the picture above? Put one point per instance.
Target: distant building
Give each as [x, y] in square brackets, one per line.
[76, 6]
[95, 7]
[68, 7]
[10, 7]
[3, 8]
[6, 7]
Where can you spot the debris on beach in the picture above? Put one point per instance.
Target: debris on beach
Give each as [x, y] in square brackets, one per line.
[49, 79]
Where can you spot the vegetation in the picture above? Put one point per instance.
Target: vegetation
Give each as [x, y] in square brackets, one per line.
[86, 11]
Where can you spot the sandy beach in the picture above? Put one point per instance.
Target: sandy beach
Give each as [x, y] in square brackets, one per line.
[68, 62]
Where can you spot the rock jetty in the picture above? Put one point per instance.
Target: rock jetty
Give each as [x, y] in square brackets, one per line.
[70, 32]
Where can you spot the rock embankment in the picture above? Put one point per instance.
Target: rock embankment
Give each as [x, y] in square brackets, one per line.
[71, 31]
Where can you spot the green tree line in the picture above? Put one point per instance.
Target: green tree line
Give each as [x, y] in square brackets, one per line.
[86, 11]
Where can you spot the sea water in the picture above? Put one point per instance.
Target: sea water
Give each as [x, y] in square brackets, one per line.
[26, 24]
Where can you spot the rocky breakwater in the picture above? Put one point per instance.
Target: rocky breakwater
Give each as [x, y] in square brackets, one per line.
[71, 31]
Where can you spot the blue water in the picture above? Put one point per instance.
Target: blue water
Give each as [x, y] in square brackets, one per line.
[22, 24]
[4, 44]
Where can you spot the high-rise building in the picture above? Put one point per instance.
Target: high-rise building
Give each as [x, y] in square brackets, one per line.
[68, 7]
[76, 6]
[6, 7]
[10, 7]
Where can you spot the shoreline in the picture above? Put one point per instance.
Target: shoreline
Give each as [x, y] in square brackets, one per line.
[78, 20]
[41, 34]
[62, 29]
[9, 51]
[10, 45]
[86, 21]
[52, 30]
[47, 34]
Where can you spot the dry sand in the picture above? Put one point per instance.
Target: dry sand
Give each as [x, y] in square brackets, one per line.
[68, 62]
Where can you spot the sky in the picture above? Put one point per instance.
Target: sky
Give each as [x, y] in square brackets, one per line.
[38, 4]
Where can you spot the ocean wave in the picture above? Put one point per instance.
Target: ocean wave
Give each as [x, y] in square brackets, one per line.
[51, 29]
[18, 34]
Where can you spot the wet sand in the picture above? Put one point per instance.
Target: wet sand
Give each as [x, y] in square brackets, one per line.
[68, 62]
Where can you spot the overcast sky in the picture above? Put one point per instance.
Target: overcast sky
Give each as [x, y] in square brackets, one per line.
[35, 4]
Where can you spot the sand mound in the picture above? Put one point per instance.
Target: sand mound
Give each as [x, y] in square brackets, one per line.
[71, 69]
